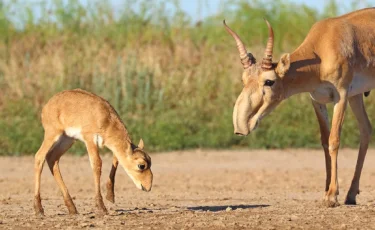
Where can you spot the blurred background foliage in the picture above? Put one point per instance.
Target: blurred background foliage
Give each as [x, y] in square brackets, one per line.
[172, 78]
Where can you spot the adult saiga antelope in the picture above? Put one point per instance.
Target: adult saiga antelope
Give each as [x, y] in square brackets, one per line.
[335, 63]
[77, 114]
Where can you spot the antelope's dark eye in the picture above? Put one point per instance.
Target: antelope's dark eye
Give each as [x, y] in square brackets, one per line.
[141, 167]
[269, 83]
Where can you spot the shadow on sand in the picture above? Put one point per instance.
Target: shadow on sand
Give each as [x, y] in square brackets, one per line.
[196, 208]
[224, 207]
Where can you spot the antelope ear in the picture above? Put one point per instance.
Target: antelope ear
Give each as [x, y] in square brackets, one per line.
[283, 65]
[130, 148]
[141, 145]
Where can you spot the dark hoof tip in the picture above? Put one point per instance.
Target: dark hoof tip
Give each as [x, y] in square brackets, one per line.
[110, 198]
[101, 212]
[39, 214]
[349, 201]
[73, 211]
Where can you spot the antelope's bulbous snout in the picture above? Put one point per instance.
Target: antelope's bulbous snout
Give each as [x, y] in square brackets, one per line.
[241, 132]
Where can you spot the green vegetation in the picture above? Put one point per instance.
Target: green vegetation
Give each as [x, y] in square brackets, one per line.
[173, 80]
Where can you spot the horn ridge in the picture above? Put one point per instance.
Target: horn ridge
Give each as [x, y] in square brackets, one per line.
[267, 59]
[246, 59]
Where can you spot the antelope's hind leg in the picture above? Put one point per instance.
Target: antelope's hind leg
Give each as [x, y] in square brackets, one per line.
[47, 146]
[96, 165]
[53, 157]
[356, 103]
[111, 181]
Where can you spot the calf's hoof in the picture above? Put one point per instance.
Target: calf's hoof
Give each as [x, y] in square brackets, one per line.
[101, 212]
[100, 207]
[110, 196]
[39, 211]
[110, 193]
[72, 211]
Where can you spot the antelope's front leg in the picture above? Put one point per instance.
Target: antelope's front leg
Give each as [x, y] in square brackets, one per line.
[96, 164]
[111, 181]
[334, 143]
[322, 115]
[358, 108]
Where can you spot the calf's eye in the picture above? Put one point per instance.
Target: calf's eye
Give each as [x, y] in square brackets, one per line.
[141, 167]
[269, 82]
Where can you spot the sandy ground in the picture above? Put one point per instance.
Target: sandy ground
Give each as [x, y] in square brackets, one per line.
[273, 189]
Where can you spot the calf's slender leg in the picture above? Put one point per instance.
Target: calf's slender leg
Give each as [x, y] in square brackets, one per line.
[53, 157]
[96, 165]
[50, 138]
[111, 181]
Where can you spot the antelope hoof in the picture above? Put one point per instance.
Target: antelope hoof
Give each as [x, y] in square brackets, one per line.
[101, 212]
[350, 200]
[101, 209]
[110, 193]
[331, 204]
[110, 197]
[331, 201]
[72, 211]
[39, 211]
[351, 197]
[71, 207]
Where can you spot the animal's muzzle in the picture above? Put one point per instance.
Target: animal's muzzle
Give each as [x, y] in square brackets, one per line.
[144, 189]
[239, 134]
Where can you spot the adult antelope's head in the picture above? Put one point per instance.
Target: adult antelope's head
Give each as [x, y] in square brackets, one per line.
[262, 85]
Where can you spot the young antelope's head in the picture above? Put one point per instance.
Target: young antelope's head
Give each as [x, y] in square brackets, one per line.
[138, 166]
[262, 85]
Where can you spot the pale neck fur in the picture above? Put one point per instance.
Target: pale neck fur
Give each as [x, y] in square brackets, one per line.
[121, 151]
[304, 71]
[118, 141]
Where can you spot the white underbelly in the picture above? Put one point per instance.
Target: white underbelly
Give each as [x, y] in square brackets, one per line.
[74, 133]
[324, 94]
[327, 93]
[361, 83]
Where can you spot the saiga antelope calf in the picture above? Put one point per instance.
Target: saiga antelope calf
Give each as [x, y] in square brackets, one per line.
[77, 114]
[335, 63]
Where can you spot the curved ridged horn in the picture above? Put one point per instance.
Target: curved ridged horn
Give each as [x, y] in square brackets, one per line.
[267, 59]
[246, 59]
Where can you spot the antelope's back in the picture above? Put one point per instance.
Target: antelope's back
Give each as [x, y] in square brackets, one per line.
[78, 108]
[349, 38]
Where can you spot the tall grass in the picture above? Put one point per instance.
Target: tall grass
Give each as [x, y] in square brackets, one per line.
[172, 79]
